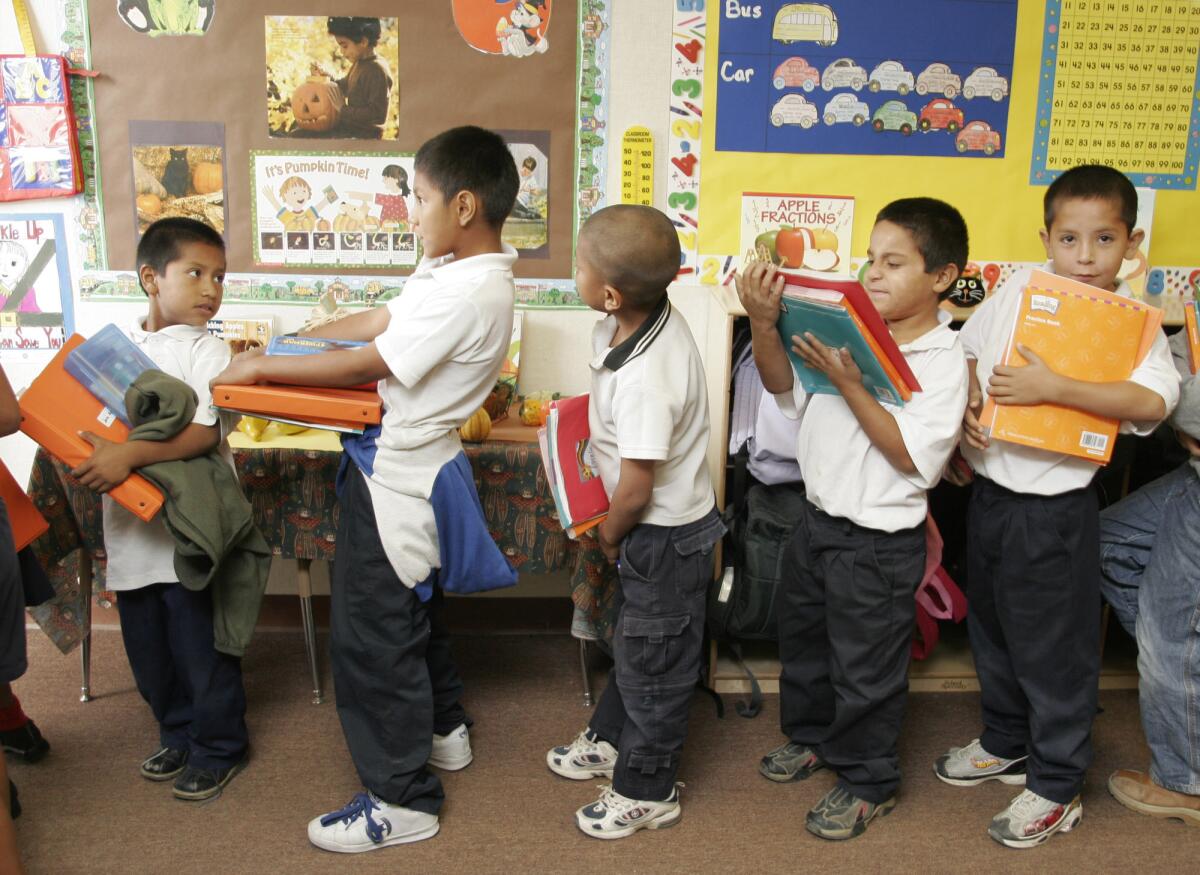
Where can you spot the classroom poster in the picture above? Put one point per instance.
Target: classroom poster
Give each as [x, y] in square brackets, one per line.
[860, 77]
[309, 94]
[527, 227]
[167, 17]
[515, 28]
[35, 287]
[178, 170]
[333, 209]
[798, 230]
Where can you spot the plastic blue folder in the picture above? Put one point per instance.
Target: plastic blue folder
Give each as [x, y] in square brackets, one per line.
[106, 365]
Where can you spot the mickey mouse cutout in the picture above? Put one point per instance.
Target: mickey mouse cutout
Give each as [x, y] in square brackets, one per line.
[168, 17]
[519, 31]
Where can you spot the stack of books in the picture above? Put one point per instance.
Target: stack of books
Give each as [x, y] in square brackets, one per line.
[838, 312]
[1084, 333]
[344, 410]
[1191, 324]
[571, 471]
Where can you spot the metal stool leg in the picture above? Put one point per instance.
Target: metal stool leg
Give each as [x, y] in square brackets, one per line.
[587, 678]
[85, 644]
[304, 585]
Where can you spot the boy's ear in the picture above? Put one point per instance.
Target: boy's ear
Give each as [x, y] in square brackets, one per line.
[1045, 235]
[1135, 243]
[466, 205]
[944, 277]
[612, 299]
[149, 279]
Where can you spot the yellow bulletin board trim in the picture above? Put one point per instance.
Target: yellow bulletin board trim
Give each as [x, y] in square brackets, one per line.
[1002, 209]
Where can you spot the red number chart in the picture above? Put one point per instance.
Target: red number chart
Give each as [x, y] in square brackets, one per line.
[1119, 87]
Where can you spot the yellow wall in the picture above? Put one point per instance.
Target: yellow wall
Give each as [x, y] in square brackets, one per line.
[1002, 210]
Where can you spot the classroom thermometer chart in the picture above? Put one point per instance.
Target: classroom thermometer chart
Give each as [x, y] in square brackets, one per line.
[861, 77]
[1118, 87]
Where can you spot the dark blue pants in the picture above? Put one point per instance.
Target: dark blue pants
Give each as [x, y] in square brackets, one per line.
[658, 646]
[195, 692]
[846, 615]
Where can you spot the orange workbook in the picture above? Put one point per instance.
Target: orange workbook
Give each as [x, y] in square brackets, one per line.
[1191, 324]
[56, 408]
[23, 517]
[888, 367]
[1083, 333]
[348, 410]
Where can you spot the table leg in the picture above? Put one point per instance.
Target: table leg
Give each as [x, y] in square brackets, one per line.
[304, 585]
[587, 678]
[85, 644]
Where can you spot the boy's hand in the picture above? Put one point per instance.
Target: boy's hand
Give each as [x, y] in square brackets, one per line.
[1189, 443]
[241, 371]
[109, 465]
[837, 364]
[611, 551]
[974, 433]
[759, 288]
[1026, 386]
[957, 471]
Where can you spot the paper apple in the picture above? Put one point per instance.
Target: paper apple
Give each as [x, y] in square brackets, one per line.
[790, 245]
[764, 246]
[821, 259]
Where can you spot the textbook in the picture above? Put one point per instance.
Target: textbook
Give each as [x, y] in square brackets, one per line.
[107, 364]
[1081, 332]
[344, 410]
[839, 313]
[24, 518]
[1191, 324]
[571, 471]
[291, 344]
[56, 407]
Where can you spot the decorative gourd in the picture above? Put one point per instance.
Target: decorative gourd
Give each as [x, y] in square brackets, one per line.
[477, 427]
[535, 407]
[317, 104]
[150, 204]
[206, 177]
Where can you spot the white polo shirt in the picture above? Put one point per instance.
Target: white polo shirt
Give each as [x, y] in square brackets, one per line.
[447, 338]
[140, 553]
[649, 401]
[1028, 469]
[847, 476]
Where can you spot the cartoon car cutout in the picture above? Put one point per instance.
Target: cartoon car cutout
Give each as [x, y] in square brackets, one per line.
[805, 22]
[843, 73]
[938, 78]
[978, 136]
[793, 109]
[796, 73]
[894, 116]
[846, 108]
[890, 76]
[985, 82]
[941, 115]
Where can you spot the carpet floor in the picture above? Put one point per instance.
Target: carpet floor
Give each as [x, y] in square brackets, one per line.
[88, 811]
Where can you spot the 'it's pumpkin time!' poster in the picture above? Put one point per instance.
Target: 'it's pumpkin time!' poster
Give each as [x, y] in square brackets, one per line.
[798, 231]
[333, 209]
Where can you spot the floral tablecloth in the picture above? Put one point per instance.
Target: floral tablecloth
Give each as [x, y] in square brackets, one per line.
[292, 495]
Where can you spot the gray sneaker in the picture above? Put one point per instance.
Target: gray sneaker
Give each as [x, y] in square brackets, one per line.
[790, 762]
[1031, 819]
[841, 815]
[971, 765]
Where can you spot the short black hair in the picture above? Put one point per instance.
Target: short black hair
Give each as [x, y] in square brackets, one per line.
[635, 249]
[476, 160]
[1093, 182]
[355, 28]
[937, 229]
[160, 244]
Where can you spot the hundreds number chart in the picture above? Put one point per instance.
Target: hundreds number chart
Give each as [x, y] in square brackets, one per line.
[1119, 87]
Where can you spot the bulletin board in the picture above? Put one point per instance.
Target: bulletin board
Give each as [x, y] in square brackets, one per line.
[218, 76]
[1001, 205]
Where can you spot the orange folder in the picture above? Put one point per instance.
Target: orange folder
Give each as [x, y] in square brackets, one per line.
[1086, 334]
[339, 409]
[23, 516]
[56, 407]
[1191, 324]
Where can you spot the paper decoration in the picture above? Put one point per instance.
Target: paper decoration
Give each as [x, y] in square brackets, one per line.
[798, 231]
[36, 312]
[527, 228]
[592, 178]
[637, 166]
[168, 17]
[516, 28]
[688, 37]
[178, 170]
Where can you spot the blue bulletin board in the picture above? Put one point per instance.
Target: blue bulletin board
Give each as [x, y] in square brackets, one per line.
[863, 77]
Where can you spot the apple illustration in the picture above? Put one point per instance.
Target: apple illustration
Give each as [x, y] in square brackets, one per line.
[764, 246]
[790, 246]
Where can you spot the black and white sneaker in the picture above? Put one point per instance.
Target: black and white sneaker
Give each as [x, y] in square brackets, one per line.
[971, 765]
[368, 823]
[614, 816]
[585, 757]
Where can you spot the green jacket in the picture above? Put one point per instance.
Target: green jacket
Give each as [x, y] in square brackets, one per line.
[216, 542]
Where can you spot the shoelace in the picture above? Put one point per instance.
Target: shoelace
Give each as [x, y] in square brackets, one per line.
[1026, 804]
[611, 800]
[360, 806]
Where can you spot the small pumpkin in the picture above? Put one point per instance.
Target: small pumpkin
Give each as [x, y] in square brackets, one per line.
[477, 427]
[535, 407]
[317, 104]
[150, 204]
[206, 177]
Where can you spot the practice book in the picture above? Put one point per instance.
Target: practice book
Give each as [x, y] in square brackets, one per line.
[1081, 332]
[56, 408]
[571, 470]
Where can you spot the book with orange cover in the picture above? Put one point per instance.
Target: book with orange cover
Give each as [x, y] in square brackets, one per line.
[56, 407]
[23, 517]
[1083, 333]
[1191, 324]
[348, 410]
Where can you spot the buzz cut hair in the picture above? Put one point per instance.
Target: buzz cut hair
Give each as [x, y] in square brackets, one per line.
[634, 249]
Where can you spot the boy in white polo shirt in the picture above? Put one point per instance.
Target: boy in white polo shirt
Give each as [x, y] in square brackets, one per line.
[648, 417]
[846, 608]
[1033, 542]
[436, 350]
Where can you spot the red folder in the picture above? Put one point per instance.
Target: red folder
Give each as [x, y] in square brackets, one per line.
[23, 516]
[56, 407]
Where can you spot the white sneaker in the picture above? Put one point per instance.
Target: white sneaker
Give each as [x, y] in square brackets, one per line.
[971, 765]
[614, 816]
[452, 751]
[584, 758]
[368, 823]
[1030, 819]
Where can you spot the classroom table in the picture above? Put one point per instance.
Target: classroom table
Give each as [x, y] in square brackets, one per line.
[290, 486]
